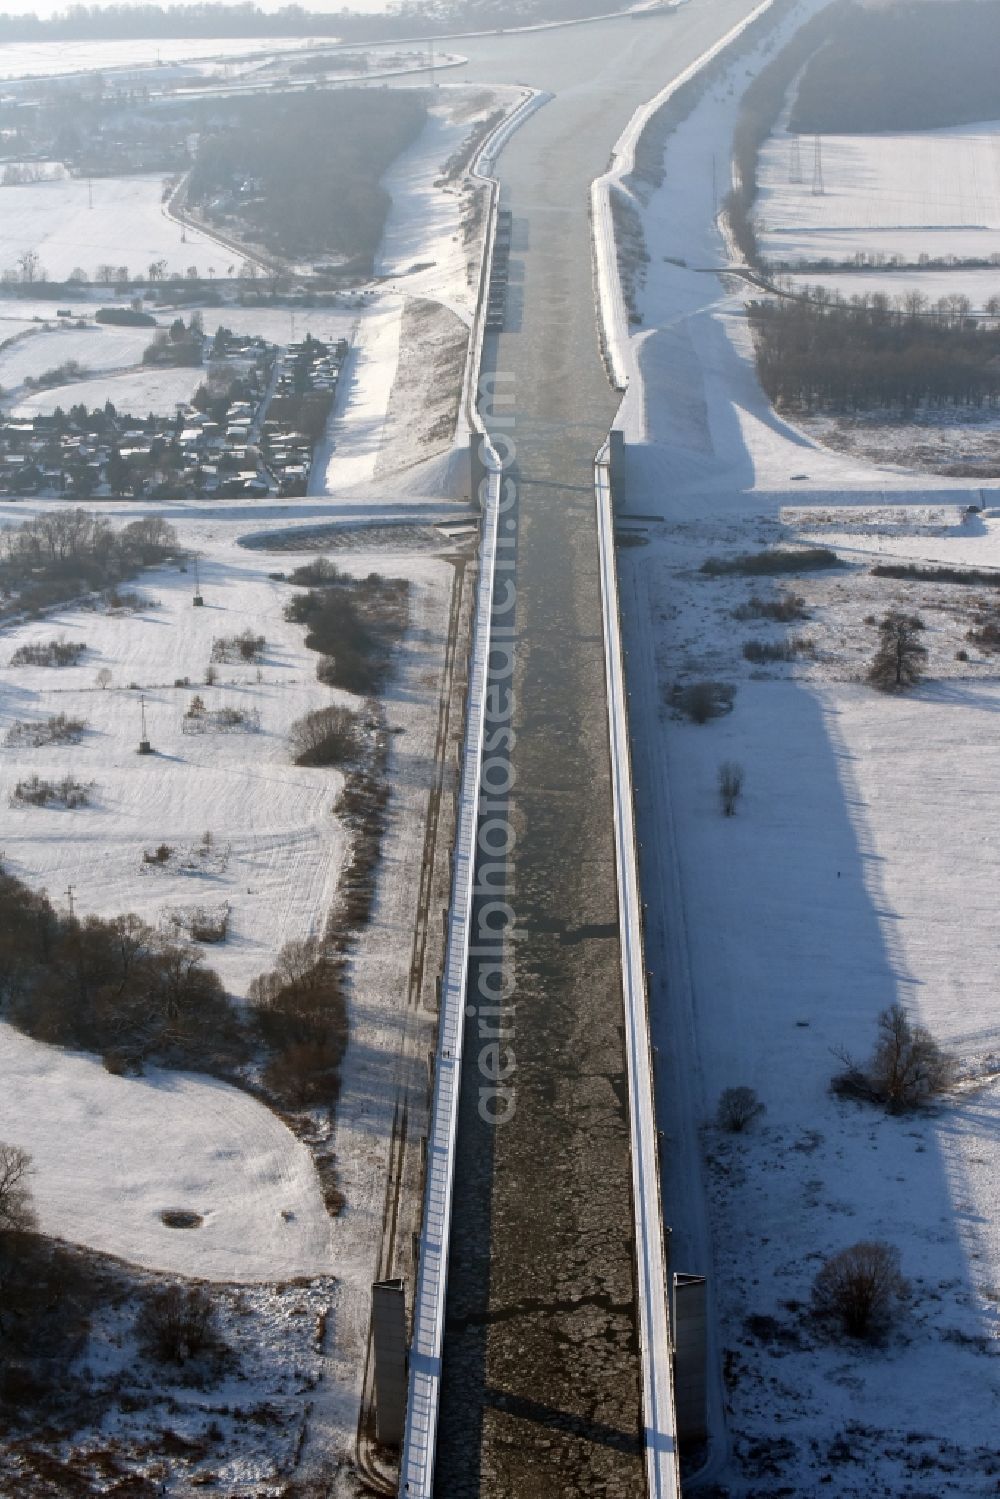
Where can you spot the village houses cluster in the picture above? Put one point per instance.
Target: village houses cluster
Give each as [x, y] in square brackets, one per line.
[249, 430]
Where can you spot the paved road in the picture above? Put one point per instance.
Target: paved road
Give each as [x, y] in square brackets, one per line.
[541, 1391]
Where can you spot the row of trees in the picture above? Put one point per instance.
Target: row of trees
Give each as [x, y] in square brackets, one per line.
[28, 270]
[99, 22]
[887, 309]
[78, 543]
[866, 355]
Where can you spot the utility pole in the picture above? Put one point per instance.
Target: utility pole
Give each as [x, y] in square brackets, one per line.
[68, 892]
[145, 748]
[818, 185]
[795, 170]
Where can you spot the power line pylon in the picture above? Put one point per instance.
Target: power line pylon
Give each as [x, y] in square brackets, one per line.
[795, 166]
[819, 187]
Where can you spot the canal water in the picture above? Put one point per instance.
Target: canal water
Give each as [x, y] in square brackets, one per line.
[541, 1375]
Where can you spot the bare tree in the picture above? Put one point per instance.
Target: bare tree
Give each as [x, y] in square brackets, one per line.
[302, 969]
[103, 678]
[177, 1323]
[860, 1288]
[737, 1108]
[17, 1213]
[730, 786]
[327, 736]
[899, 661]
[701, 701]
[908, 1067]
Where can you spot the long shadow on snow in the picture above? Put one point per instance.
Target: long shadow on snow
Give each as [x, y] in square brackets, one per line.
[794, 949]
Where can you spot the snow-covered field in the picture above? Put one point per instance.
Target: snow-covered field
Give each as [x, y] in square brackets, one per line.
[280, 325]
[111, 1154]
[97, 347]
[275, 856]
[935, 192]
[125, 226]
[158, 390]
[277, 847]
[51, 59]
[858, 871]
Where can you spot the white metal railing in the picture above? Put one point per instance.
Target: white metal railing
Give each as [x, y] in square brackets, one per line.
[427, 1341]
[659, 1415]
[481, 169]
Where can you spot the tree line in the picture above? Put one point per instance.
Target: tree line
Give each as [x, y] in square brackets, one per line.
[62, 552]
[873, 353]
[354, 623]
[114, 987]
[913, 65]
[133, 995]
[263, 163]
[220, 20]
[98, 22]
